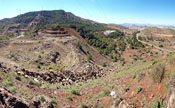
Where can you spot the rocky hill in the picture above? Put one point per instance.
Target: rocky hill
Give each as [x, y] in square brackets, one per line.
[42, 18]
[47, 17]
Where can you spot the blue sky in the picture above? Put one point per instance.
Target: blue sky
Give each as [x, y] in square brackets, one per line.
[105, 11]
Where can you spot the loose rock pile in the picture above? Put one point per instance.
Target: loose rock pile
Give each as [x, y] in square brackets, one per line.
[3, 68]
[7, 100]
[86, 72]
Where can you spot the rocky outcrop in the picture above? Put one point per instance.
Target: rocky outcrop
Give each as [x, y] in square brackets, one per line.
[7, 100]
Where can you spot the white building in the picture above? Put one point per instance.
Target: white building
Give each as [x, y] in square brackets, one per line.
[109, 32]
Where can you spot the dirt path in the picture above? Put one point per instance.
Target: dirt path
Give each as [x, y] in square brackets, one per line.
[163, 49]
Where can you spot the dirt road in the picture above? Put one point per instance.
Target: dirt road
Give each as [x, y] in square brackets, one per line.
[163, 49]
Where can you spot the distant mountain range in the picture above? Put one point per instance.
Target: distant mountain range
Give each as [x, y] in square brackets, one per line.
[147, 25]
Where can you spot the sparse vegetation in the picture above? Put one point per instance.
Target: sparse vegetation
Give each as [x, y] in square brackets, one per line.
[89, 57]
[39, 66]
[171, 59]
[154, 62]
[42, 98]
[53, 101]
[138, 89]
[135, 74]
[82, 105]
[56, 67]
[95, 105]
[69, 98]
[35, 66]
[8, 82]
[104, 65]
[79, 45]
[75, 91]
[104, 93]
[158, 73]
[13, 89]
[39, 56]
[140, 76]
[35, 83]
[158, 103]
[161, 46]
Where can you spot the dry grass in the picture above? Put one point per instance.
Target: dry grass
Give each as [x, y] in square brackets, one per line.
[157, 73]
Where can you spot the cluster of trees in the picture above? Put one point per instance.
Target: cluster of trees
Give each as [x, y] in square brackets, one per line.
[91, 33]
[116, 34]
[105, 46]
[121, 44]
[134, 43]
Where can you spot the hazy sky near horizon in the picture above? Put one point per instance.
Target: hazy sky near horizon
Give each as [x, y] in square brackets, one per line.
[105, 11]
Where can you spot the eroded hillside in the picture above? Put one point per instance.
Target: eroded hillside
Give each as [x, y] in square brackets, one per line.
[78, 65]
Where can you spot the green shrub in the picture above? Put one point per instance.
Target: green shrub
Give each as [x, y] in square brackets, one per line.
[8, 82]
[54, 101]
[55, 27]
[89, 57]
[135, 74]
[160, 45]
[56, 67]
[104, 93]
[104, 64]
[75, 91]
[35, 83]
[39, 66]
[158, 73]
[158, 103]
[39, 56]
[138, 89]
[42, 98]
[154, 62]
[79, 45]
[13, 89]
[115, 59]
[69, 98]
[7, 38]
[95, 105]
